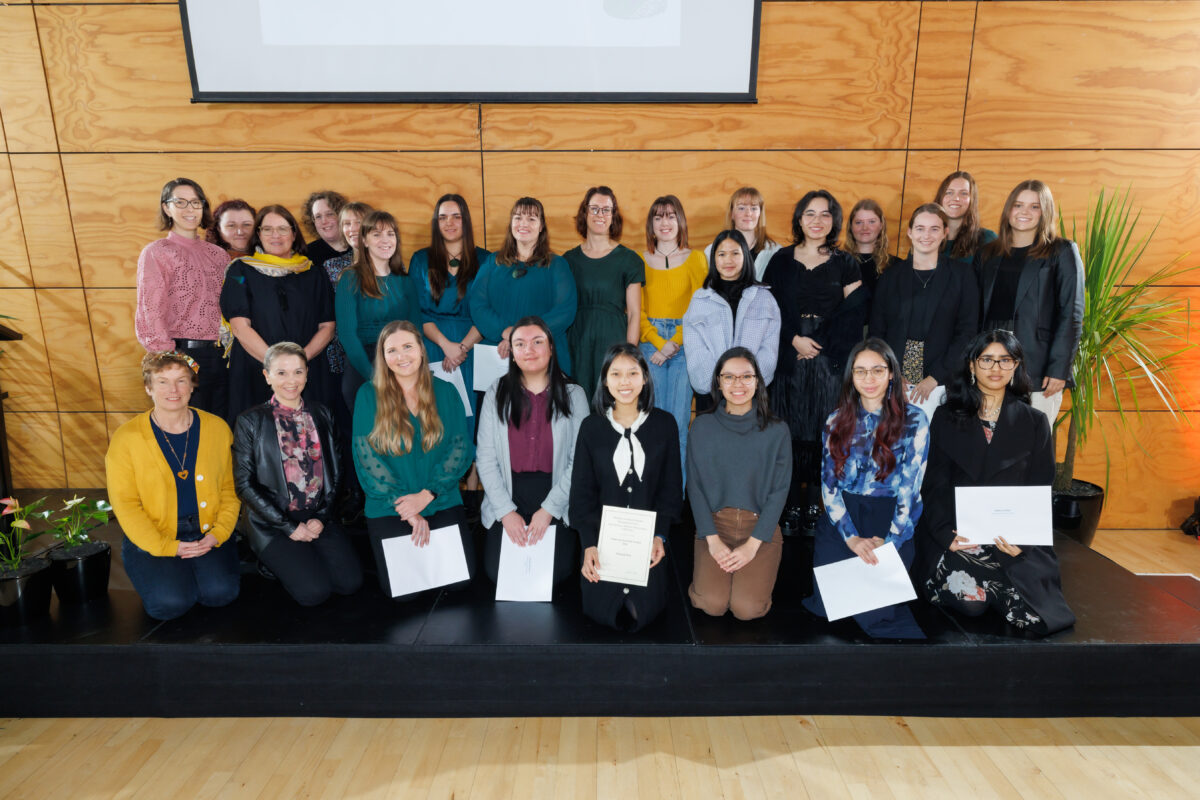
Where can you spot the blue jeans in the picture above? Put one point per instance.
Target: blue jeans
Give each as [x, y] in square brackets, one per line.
[170, 585]
[672, 388]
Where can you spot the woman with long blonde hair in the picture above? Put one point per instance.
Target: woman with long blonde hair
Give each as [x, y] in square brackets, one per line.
[747, 214]
[411, 446]
[867, 240]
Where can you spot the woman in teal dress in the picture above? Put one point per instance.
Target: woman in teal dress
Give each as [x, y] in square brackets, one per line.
[443, 274]
[524, 279]
[609, 278]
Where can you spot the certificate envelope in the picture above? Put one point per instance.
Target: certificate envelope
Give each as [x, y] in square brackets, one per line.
[626, 541]
[415, 569]
[455, 379]
[488, 366]
[853, 586]
[526, 573]
[1021, 514]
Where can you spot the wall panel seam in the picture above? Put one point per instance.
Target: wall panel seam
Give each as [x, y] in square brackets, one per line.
[967, 89]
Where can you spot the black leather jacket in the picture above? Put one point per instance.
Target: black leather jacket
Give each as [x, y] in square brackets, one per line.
[258, 472]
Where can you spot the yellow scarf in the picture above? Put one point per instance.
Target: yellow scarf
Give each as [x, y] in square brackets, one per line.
[277, 267]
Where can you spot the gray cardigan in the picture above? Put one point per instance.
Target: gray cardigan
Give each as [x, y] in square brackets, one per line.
[495, 467]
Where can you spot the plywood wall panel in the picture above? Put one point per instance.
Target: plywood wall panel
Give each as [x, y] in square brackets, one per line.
[24, 367]
[1074, 75]
[35, 450]
[702, 181]
[827, 78]
[112, 230]
[14, 262]
[114, 420]
[46, 218]
[24, 102]
[137, 96]
[943, 65]
[85, 441]
[118, 352]
[69, 347]
[923, 174]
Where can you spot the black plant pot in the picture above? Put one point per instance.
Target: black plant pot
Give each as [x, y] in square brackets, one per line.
[80, 573]
[1077, 511]
[25, 593]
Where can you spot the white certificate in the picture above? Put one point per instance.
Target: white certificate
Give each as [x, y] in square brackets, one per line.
[455, 379]
[626, 541]
[489, 366]
[415, 569]
[853, 586]
[1021, 514]
[935, 399]
[526, 574]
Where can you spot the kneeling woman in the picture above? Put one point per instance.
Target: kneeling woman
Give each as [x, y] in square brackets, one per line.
[739, 470]
[528, 424]
[876, 444]
[627, 456]
[987, 434]
[170, 482]
[287, 468]
[411, 446]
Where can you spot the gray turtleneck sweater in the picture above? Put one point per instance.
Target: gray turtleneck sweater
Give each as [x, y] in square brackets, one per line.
[733, 464]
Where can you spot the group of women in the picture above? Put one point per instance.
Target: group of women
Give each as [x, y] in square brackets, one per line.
[799, 420]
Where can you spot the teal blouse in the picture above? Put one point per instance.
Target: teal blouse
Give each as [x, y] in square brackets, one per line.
[361, 318]
[385, 478]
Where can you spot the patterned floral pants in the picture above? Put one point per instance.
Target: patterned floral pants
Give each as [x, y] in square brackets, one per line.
[972, 581]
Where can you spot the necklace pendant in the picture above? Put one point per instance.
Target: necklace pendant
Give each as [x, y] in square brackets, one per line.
[183, 473]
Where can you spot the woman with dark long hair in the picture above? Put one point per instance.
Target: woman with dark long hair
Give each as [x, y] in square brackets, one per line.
[528, 423]
[959, 195]
[876, 444]
[987, 434]
[627, 455]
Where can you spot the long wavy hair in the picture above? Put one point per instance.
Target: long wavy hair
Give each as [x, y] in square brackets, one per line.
[363, 269]
[393, 432]
[439, 256]
[963, 396]
[879, 253]
[749, 194]
[511, 404]
[1045, 238]
[762, 405]
[602, 399]
[892, 417]
[970, 232]
[508, 254]
[835, 208]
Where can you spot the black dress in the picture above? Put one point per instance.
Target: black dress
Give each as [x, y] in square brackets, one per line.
[870, 272]
[595, 484]
[319, 251]
[285, 309]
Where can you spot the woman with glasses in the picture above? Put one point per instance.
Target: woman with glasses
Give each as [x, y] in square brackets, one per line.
[524, 279]
[233, 228]
[626, 457]
[276, 296]
[987, 434]
[747, 214]
[875, 448]
[609, 277]
[179, 288]
[320, 217]
[739, 469]
[731, 309]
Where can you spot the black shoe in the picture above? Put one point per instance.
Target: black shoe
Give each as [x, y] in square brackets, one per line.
[811, 515]
[792, 522]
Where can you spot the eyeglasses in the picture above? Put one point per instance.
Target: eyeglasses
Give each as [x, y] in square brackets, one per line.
[874, 372]
[600, 211]
[731, 380]
[183, 202]
[518, 272]
[282, 230]
[1006, 363]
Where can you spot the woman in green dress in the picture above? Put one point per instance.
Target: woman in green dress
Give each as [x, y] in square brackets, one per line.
[609, 278]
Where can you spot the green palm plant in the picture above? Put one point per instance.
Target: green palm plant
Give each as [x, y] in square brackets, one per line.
[1130, 335]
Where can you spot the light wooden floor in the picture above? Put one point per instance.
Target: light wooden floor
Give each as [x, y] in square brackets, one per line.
[686, 758]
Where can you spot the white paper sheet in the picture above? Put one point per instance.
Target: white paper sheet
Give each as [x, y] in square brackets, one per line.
[415, 569]
[526, 574]
[1021, 514]
[488, 366]
[455, 379]
[935, 399]
[626, 541]
[853, 586]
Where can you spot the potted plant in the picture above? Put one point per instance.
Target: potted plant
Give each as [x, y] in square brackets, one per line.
[24, 582]
[80, 566]
[1130, 334]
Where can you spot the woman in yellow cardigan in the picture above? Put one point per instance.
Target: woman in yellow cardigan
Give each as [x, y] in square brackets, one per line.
[170, 482]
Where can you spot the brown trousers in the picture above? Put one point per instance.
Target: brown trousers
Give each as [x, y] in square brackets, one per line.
[747, 592]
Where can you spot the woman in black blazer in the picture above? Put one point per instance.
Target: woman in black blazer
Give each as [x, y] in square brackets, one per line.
[287, 470]
[1031, 283]
[987, 434]
[927, 306]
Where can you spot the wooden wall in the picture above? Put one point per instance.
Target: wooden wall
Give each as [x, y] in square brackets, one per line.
[864, 98]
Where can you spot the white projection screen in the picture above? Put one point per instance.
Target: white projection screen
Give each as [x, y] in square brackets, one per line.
[472, 50]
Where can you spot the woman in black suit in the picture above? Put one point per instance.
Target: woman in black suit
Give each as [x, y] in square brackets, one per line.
[987, 434]
[1031, 282]
[927, 306]
[287, 469]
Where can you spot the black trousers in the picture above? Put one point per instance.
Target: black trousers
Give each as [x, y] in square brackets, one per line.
[312, 571]
[390, 527]
[529, 490]
[212, 395]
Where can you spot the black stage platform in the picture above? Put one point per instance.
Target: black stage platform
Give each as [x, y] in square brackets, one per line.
[1134, 651]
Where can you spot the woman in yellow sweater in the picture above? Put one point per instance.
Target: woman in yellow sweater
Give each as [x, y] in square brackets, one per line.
[673, 274]
[170, 482]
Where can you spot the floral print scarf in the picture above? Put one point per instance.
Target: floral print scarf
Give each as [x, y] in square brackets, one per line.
[300, 450]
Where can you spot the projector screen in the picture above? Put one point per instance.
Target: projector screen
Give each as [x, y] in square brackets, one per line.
[472, 50]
